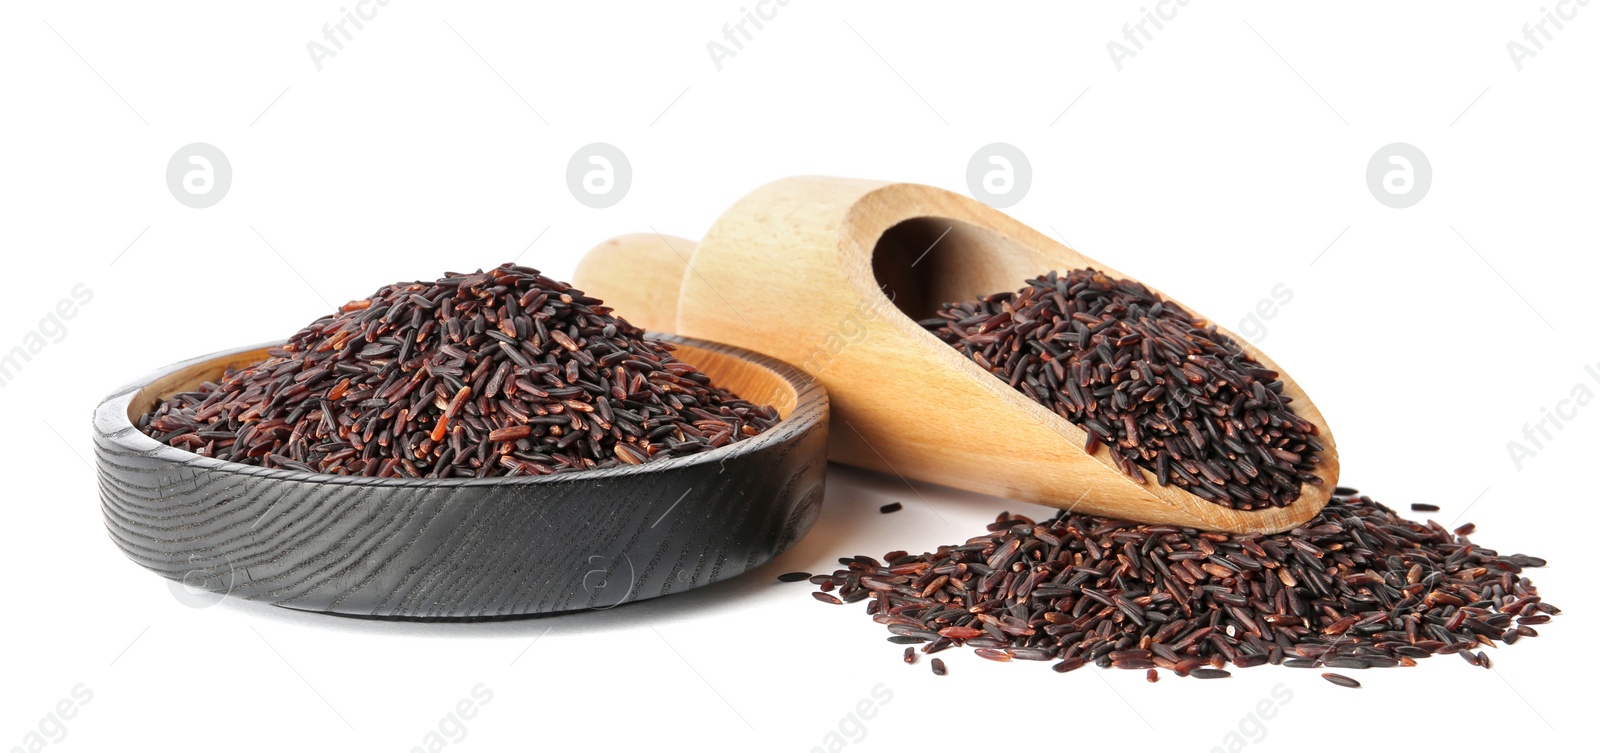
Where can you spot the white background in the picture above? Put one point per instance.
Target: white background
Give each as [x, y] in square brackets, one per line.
[1222, 160]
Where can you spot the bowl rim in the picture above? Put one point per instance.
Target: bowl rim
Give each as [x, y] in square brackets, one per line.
[112, 426]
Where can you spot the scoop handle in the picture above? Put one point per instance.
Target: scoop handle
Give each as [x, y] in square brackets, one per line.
[639, 275]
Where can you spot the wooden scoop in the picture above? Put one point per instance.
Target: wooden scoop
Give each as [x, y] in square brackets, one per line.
[832, 275]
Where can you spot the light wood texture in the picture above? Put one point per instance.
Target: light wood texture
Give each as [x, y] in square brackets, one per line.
[643, 286]
[434, 549]
[831, 274]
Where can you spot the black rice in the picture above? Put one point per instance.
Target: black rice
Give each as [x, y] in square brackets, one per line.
[1358, 586]
[498, 373]
[1340, 680]
[1157, 387]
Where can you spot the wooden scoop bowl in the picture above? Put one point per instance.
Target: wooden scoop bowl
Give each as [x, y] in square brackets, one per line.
[832, 275]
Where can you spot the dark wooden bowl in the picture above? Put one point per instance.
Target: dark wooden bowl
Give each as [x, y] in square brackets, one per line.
[465, 548]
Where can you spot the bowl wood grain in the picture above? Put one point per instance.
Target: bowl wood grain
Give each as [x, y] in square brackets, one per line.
[465, 548]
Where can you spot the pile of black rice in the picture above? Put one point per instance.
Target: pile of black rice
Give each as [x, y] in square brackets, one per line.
[1158, 387]
[498, 373]
[1356, 587]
